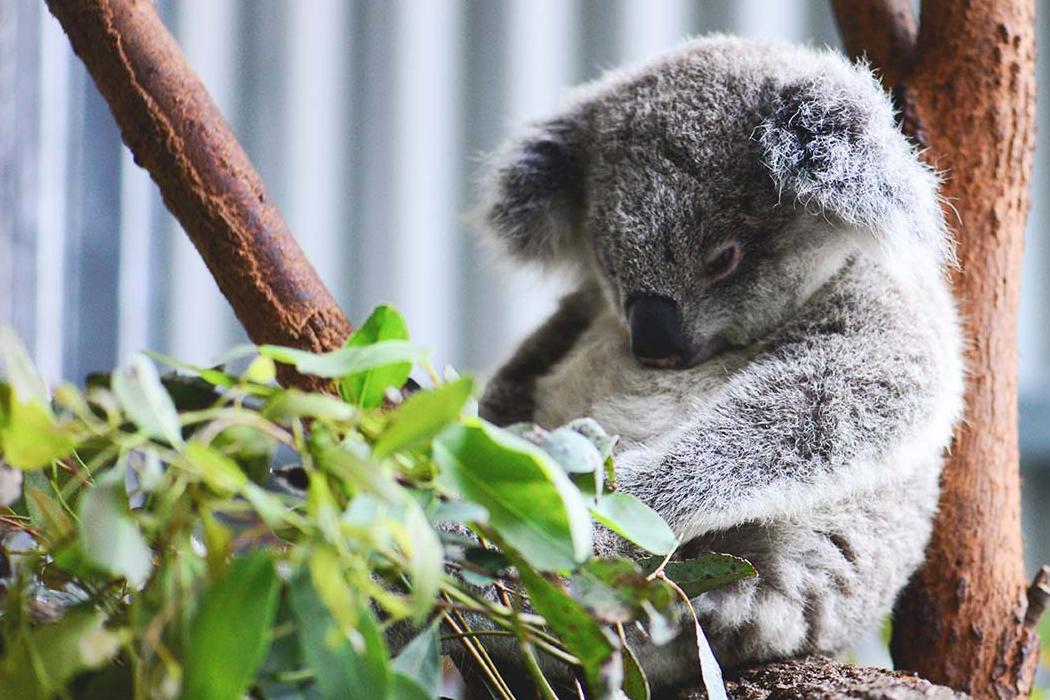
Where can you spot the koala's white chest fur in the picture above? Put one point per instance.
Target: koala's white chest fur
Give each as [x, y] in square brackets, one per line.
[600, 378]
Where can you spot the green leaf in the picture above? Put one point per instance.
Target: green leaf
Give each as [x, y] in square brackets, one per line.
[261, 370]
[531, 502]
[342, 670]
[422, 416]
[219, 472]
[630, 518]
[710, 671]
[571, 450]
[77, 642]
[347, 361]
[145, 401]
[635, 683]
[26, 382]
[615, 589]
[458, 512]
[230, 633]
[109, 537]
[29, 436]
[425, 559]
[581, 633]
[703, 573]
[368, 388]
[293, 403]
[404, 688]
[420, 660]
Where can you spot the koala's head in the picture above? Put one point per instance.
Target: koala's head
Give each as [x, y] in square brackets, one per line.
[710, 193]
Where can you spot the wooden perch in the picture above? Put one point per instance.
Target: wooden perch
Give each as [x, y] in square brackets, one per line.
[821, 678]
[968, 81]
[176, 132]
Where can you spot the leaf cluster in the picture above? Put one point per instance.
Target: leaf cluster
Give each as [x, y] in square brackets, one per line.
[209, 534]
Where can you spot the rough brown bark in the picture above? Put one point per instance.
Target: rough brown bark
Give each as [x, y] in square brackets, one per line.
[821, 678]
[176, 132]
[971, 91]
[880, 31]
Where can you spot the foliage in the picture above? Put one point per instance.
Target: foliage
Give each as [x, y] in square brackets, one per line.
[149, 551]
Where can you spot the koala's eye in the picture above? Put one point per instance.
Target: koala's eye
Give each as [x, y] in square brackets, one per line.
[723, 262]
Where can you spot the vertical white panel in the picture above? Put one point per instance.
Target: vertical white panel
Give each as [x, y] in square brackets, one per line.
[426, 176]
[134, 283]
[318, 76]
[53, 159]
[761, 19]
[540, 68]
[200, 324]
[650, 27]
[1035, 288]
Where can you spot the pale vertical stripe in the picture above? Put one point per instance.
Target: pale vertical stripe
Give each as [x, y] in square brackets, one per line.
[761, 19]
[540, 68]
[53, 159]
[1035, 289]
[200, 318]
[423, 266]
[650, 27]
[134, 283]
[316, 143]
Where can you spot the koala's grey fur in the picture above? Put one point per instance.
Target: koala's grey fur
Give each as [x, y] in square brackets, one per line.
[809, 439]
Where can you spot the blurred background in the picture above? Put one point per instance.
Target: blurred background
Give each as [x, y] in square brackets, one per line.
[366, 120]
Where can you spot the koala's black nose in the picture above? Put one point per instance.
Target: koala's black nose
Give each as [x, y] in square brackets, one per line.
[657, 338]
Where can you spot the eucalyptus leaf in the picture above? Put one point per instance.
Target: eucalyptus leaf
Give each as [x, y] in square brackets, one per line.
[368, 388]
[630, 518]
[702, 573]
[571, 450]
[109, 537]
[347, 361]
[342, 671]
[635, 682]
[420, 660]
[422, 416]
[30, 438]
[22, 375]
[292, 403]
[531, 502]
[39, 665]
[145, 401]
[615, 589]
[581, 634]
[709, 668]
[215, 469]
[230, 633]
[425, 559]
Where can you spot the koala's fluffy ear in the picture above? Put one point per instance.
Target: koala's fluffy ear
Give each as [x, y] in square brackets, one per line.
[534, 191]
[833, 144]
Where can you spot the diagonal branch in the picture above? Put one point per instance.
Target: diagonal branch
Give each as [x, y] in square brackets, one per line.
[176, 132]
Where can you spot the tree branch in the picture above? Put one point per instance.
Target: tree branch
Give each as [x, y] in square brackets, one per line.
[818, 677]
[882, 31]
[176, 132]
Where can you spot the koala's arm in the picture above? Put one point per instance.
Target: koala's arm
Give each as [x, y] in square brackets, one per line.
[786, 431]
[510, 394]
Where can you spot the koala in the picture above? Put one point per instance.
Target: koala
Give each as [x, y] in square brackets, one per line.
[761, 312]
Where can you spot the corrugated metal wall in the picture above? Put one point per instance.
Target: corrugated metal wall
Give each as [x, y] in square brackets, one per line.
[366, 119]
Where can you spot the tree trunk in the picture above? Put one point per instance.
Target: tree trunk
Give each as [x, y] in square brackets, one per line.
[967, 94]
[176, 132]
